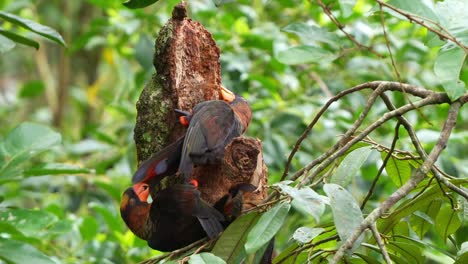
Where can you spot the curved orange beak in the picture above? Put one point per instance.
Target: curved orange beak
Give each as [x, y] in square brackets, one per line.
[227, 95]
[142, 191]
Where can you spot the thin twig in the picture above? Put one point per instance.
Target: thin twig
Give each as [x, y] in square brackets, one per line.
[418, 175]
[176, 252]
[422, 23]
[382, 167]
[435, 98]
[341, 27]
[420, 149]
[381, 244]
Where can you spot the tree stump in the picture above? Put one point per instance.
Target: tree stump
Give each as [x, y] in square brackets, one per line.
[188, 72]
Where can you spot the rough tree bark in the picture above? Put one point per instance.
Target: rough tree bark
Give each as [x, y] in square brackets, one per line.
[188, 72]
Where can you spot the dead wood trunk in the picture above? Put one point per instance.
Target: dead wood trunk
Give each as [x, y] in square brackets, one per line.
[188, 72]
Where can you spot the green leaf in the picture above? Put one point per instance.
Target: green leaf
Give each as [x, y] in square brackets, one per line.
[19, 39]
[32, 89]
[409, 206]
[447, 222]
[89, 228]
[42, 30]
[350, 166]
[230, 246]
[398, 170]
[305, 199]
[109, 215]
[347, 7]
[409, 251]
[447, 68]
[453, 16]
[29, 222]
[346, 213]
[134, 4]
[55, 169]
[305, 234]
[22, 143]
[305, 54]
[266, 228]
[19, 252]
[309, 33]
[462, 254]
[421, 221]
[417, 7]
[6, 44]
[205, 258]
[144, 47]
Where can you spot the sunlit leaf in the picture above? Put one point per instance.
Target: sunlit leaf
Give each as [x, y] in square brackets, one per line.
[205, 258]
[346, 213]
[305, 234]
[42, 30]
[267, 226]
[305, 54]
[305, 199]
[23, 143]
[6, 44]
[447, 67]
[350, 166]
[19, 39]
[418, 7]
[55, 169]
[29, 222]
[19, 252]
[309, 33]
[347, 7]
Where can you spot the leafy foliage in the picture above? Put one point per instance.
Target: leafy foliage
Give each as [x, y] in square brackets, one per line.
[66, 151]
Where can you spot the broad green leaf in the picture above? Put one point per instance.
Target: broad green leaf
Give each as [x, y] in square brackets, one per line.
[110, 216]
[21, 144]
[134, 4]
[346, 213]
[421, 8]
[29, 222]
[55, 169]
[205, 258]
[6, 44]
[266, 228]
[32, 89]
[453, 16]
[283, 255]
[409, 206]
[447, 68]
[19, 252]
[305, 54]
[88, 228]
[42, 30]
[347, 7]
[350, 166]
[305, 199]
[462, 254]
[309, 33]
[421, 221]
[230, 246]
[408, 250]
[19, 39]
[144, 47]
[447, 222]
[398, 170]
[305, 234]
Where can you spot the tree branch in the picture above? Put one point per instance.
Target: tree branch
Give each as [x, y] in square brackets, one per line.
[418, 175]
